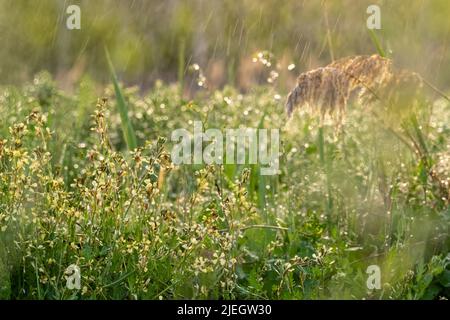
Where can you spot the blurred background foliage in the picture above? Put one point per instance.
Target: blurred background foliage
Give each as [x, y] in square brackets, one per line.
[151, 40]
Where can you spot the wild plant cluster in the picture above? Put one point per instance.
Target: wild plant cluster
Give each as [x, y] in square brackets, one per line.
[374, 193]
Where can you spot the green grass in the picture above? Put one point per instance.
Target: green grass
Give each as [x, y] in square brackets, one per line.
[127, 127]
[376, 42]
[140, 228]
[86, 176]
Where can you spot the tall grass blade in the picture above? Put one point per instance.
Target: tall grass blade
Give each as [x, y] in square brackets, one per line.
[377, 43]
[127, 127]
[181, 65]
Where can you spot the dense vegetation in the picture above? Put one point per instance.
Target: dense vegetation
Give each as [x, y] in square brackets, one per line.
[88, 183]
[139, 227]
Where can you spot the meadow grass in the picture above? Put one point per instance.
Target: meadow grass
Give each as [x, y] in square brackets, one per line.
[73, 190]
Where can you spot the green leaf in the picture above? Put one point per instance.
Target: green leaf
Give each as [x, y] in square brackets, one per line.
[377, 43]
[127, 128]
[444, 278]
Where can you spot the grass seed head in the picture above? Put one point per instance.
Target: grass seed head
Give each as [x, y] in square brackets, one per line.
[329, 88]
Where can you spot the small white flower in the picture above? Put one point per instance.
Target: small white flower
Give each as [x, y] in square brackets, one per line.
[73, 277]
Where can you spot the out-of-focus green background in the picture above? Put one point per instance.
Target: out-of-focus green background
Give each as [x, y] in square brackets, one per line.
[151, 39]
